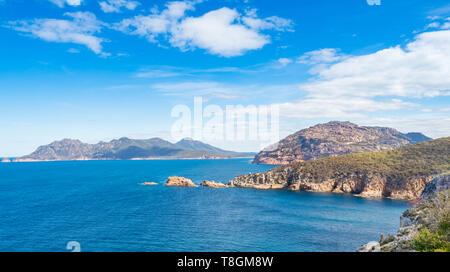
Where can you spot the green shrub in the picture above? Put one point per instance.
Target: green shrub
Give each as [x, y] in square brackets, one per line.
[420, 160]
[426, 241]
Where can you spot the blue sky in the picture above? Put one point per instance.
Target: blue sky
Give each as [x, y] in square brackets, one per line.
[98, 70]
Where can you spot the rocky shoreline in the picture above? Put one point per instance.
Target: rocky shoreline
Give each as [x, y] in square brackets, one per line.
[433, 206]
[213, 184]
[363, 185]
[400, 173]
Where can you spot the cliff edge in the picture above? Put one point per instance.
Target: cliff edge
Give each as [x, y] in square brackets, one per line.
[400, 173]
[424, 228]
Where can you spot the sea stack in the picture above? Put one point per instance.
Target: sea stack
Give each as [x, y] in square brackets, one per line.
[180, 182]
[5, 160]
[213, 184]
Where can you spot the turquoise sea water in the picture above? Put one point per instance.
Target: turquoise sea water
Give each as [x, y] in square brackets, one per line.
[102, 205]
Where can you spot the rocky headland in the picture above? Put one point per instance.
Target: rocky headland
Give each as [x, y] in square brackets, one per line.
[424, 228]
[401, 173]
[180, 182]
[334, 139]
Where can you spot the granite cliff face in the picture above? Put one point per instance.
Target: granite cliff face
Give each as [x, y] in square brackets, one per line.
[432, 213]
[439, 184]
[401, 173]
[333, 139]
[127, 149]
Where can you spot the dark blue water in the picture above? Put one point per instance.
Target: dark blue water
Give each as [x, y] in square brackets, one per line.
[101, 205]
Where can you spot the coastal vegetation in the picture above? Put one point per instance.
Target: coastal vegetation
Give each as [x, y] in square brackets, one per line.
[434, 235]
[425, 228]
[427, 158]
[398, 173]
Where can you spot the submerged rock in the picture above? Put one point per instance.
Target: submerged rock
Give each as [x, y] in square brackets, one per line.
[180, 182]
[149, 183]
[213, 184]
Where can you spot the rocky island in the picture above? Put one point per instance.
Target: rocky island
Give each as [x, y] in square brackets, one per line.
[180, 182]
[6, 160]
[400, 173]
[334, 139]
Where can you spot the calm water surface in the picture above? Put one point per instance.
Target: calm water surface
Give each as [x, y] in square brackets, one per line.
[101, 205]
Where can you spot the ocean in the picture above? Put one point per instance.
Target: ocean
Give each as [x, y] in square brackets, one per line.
[101, 206]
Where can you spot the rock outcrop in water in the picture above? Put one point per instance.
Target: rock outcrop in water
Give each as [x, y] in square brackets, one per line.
[6, 160]
[180, 182]
[424, 228]
[213, 184]
[333, 139]
[149, 183]
[128, 149]
[400, 173]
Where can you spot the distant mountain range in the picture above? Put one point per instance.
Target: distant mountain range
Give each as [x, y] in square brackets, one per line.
[333, 139]
[129, 149]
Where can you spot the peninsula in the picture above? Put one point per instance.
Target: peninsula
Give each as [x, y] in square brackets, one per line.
[400, 173]
[129, 149]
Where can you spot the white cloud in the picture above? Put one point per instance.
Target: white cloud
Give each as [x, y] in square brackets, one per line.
[79, 30]
[274, 22]
[153, 25]
[109, 6]
[326, 55]
[349, 87]
[420, 69]
[284, 61]
[219, 33]
[73, 50]
[446, 25]
[340, 107]
[61, 3]
[157, 74]
[224, 32]
[432, 25]
[206, 89]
